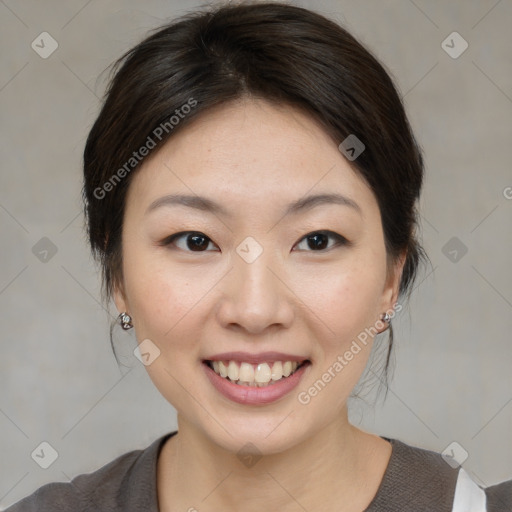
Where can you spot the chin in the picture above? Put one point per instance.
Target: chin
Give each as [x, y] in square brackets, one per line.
[257, 437]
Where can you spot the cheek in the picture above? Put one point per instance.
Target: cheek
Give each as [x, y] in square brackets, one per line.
[346, 297]
[161, 303]
[166, 303]
[346, 302]
[159, 296]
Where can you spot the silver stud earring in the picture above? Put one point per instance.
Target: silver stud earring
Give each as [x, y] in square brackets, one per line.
[386, 319]
[126, 321]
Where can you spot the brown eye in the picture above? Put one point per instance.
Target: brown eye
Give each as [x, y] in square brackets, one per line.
[195, 241]
[318, 240]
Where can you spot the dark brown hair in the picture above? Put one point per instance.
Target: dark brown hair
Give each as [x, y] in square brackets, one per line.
[279, 52]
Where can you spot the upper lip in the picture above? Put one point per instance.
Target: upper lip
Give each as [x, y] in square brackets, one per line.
[255, 358]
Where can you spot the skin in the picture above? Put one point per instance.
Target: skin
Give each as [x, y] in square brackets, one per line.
[254, 158]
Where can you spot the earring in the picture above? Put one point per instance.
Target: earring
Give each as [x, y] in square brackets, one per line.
[387, 319]
[126, 321]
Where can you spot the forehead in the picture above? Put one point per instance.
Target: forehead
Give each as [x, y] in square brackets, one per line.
[248, 150]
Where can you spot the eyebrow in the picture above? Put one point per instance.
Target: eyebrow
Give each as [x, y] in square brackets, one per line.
[204, 204]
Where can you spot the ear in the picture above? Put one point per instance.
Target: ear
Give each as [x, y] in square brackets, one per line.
[392, 286]
[120, 298]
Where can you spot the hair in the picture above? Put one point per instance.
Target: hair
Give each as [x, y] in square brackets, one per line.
[282, 53]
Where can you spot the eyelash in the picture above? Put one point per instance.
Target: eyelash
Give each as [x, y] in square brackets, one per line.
[340, 240]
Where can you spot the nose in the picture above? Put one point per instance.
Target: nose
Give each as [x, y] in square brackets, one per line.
[255, 296]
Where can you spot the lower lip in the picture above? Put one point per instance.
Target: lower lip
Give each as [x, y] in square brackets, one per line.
[253, 395]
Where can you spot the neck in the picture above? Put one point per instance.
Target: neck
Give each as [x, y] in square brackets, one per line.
[340, 462]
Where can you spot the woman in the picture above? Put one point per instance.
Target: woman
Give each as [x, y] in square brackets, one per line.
[250, 190]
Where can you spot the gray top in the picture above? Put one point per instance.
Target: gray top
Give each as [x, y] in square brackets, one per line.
[499, 497]
[415, 479]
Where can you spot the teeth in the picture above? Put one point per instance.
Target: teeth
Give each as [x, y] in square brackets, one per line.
[262, 374]
[223, 371]
[233, 370]
[246, 373]
[258, 375]
[277, 370]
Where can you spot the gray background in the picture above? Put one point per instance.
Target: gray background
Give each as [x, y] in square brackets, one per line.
[59, 380]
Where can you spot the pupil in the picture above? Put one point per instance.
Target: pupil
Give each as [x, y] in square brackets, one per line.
[196, 244]
[317, 244]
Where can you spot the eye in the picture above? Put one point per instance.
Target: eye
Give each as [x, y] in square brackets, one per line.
[195, 241]
[318, 240]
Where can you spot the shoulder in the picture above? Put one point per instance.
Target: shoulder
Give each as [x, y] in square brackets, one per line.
[128, 480]
[424, 480]
[499, 497]
[416, 479]
[85, 492]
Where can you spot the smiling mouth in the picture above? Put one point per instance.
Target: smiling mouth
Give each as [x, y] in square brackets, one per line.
[255, 375]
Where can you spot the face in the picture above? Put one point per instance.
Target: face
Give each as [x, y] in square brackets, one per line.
[253, 275]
